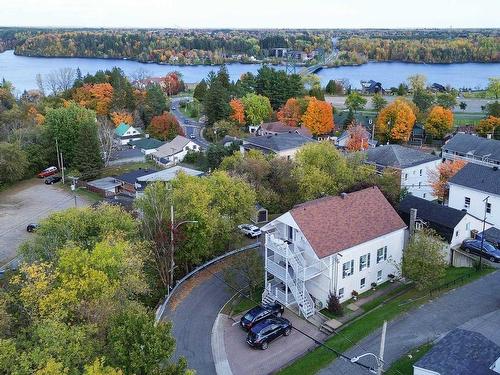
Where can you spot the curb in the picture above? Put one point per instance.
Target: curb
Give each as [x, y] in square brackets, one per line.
[218, 347]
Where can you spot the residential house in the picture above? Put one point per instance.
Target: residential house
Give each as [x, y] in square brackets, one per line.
[129, 180]
[146, 145]
[278, 127]
[129, 155]
[284, 144]
[174, 151]
[460, 352]
[164, 175]
[371, 87]
[492, 235]
[472, 149]
[336, 244]
[413, 165]
[469, 189]
[451, 224]
[106, 186]
[125, 133]
[342, 141]
[437, 87]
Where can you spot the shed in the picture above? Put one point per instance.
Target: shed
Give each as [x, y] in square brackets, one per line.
[106, 186]
[260, 215]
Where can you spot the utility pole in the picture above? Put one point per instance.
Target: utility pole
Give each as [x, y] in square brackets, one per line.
[485, 200]
[62, 167]
[57, 152]
[380, 368]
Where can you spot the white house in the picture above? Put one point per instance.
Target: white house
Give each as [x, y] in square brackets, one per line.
[336, 245]
[126, 133]
[469, 189]
[413, 165]
[165, 175]
[473, 149]
[174, 151]
[281, 144]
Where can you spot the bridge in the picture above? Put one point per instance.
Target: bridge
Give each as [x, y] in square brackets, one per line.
[313, 69]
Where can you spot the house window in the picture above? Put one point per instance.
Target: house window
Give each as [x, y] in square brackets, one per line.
[341, 293]
[467, 202]
[347, 269]
[381, 254]
[419, 185]
[488, 208]
[425, 195]
[362, 283]
[406, 176]
[379, 276]
[290, 233]
[467, 226]
[420, 172]
[364, 261]
[456, 233]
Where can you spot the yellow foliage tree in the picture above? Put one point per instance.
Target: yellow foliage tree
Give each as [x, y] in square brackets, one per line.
[439, 122]
[395, 122]
[318, 117]
[119, 117]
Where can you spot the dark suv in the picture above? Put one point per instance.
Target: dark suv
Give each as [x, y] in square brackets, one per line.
[259, 313]
[268, 330]
[52, 180]
[489, 251]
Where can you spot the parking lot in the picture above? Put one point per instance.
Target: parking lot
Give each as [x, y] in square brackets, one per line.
[245, 360]
[28, 202]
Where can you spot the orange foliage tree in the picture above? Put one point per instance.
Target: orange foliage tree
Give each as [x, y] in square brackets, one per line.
[488, 125]
[165, 127]
[291, 113]
[358, 137]
[395, 121]
[95, 96]
[36, 116]
[318, 117]
[172, 83]
[119, 117]
[237, 111]
[439, 177]
[439, 122]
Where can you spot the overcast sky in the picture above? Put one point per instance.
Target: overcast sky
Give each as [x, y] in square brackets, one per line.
[252, 13]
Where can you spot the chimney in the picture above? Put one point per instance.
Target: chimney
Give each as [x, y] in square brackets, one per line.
[413, 219]
[343, 195]
[488, 135]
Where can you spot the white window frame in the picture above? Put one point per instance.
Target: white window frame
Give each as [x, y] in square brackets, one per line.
[364, 262]
[467, 226]
[466, 202]
[362, 283]
[379, 275]
[341, 293]
[347, 269]
[383, 255]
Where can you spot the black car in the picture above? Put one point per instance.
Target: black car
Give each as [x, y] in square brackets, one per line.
[489, 251]
[52, 180]
[259, 313]
[268, 330]
[32, 227]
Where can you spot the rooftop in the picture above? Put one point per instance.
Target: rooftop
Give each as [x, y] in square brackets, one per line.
[106, 183]
[478, 177]
[169, 174]
[461, 352]
[132, 176]
[175, 146]
[279, 127]
[474, 145]
[277, 143]
[398, 156]
[146, 143]
[333, 224]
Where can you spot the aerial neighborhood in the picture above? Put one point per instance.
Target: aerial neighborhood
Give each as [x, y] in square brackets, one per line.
[275, 220]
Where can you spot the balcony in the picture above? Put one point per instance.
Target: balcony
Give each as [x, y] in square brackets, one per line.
[304, 273]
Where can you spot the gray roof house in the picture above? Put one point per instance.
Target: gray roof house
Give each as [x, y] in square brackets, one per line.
[175, 150]
[478, 177]
[165, 175]
[473, 149]
[460, 352]
[284, 144]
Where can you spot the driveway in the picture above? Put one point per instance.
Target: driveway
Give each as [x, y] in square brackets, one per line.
[24, 203]
[426, 323]
[245, 360]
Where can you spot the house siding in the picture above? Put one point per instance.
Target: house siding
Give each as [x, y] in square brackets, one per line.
[418, 184]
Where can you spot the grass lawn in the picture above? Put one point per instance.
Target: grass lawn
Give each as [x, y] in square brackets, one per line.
[404, 365]
[114, 170]
[241, 304]
[315, 360]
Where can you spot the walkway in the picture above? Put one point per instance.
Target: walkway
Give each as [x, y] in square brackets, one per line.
[426, 323]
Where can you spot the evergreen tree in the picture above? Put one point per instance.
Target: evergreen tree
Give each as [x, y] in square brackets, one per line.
[155, 103]
[217, 102]
[331, 87]
[88, 160]
[200, 91]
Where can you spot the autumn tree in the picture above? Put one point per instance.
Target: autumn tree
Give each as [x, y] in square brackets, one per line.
[417, 82]
[165, 127]
[96, 96]
[172, 83]
[122, 117]
[358, 137]
[493, 88]
[291, 113]
[355, 102]
[439, 122]
[439, 177]
[257, 108]
[318, 117]
[237, 111]
[488, 125]
[395, 122]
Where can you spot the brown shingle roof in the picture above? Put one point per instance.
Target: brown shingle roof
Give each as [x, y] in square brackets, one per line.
[279, 127]
[333, 224]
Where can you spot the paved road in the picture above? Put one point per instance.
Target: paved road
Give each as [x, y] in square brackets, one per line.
[192, 324]
[24, 203]
[191, 127]
[426, 323]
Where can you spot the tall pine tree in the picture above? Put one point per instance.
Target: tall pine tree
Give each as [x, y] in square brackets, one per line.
[88, 159]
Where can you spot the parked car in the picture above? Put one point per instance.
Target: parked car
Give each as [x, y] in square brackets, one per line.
[32, 227]
[47, 172]
[250, 230]
[489, 251]
[173, 108]
[259, 313]
[192, 136]
[52, 180]
[268, 330]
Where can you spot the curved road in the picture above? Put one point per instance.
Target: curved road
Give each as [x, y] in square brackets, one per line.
[191, 128]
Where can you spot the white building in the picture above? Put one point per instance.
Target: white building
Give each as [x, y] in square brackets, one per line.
[174, 151]
[469, 189]
[165, 175]
[413, 165]
[473, 149]
[126, 133]
[333, 245]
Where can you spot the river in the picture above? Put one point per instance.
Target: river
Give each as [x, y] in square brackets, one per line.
[22, 71]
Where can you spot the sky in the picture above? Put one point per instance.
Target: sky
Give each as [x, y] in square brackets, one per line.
[252, 13]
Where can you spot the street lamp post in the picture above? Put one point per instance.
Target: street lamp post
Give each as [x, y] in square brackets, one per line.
[485, 200]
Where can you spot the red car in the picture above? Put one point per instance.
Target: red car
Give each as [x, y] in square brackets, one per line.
[47, 172]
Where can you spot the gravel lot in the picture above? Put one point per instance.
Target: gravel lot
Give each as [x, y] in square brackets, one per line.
[245, 360]
[28, 202]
